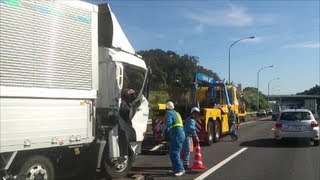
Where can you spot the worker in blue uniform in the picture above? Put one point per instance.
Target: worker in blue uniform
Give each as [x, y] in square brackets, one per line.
[233, 124]
[190, 131]
[174, 128]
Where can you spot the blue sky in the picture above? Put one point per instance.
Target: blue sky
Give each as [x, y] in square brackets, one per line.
[287, 36]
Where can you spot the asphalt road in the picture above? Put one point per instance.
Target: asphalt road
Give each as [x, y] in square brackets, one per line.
[257, 156]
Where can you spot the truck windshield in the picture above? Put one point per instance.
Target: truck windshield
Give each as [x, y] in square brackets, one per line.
[133, 78]
[230, 95]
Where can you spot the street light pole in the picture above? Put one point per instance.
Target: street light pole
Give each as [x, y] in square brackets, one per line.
[258, 84]
[269, 85]
[251, 37]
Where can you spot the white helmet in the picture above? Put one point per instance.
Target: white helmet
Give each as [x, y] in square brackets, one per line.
[195, 109]
[170, 105]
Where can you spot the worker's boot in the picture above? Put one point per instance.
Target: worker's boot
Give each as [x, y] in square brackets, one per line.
[186, 165]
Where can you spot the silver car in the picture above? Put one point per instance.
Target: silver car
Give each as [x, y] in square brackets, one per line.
[297, 123]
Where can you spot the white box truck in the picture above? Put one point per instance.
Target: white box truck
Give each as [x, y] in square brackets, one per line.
[72, 91]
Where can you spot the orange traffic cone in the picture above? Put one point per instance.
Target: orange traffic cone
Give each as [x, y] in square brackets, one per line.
[197, 163]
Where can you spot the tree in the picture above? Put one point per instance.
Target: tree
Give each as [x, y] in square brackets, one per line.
[250, 98]
[170, 68]
[312, 91]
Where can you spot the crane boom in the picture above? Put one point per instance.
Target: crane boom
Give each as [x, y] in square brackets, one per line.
[203, 80]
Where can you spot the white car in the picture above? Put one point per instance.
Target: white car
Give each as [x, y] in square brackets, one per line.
[297, 123]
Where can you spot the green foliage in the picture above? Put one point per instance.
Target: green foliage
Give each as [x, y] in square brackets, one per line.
[312, 91]
[170, 69]
[250, 98]
[156, 97]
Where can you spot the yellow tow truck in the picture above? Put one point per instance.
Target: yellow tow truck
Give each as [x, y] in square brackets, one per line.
[220, 112]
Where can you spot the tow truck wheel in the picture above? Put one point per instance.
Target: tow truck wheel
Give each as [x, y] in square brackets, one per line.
[216, 131]
[36, 168]
[210, 133]
[117, 168]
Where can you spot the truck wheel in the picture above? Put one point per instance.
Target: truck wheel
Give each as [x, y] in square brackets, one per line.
[37, 168]
[316, 142]
[117, 168]
[210, 133]
[216, 131]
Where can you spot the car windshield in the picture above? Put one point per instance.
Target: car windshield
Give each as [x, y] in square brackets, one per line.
[295, 116]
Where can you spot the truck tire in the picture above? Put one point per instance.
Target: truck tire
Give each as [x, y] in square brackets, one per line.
[216, 131]
[36, 167]
[210, 133]
[117, 169]
[316, 142]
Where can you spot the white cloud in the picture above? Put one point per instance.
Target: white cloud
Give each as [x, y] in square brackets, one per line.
[199, 28]
[303, 45]
[234, 16]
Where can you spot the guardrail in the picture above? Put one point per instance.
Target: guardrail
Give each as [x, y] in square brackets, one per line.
[253, 112]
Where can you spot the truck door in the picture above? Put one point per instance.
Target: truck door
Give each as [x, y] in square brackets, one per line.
[134, 80]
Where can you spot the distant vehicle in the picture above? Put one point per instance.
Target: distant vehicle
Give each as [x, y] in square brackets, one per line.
[297, 123]
[261, 113]
[269, 111]
[276, 109]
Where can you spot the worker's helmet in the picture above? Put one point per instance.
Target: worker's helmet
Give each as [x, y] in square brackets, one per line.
[195, 109]
[170, 105]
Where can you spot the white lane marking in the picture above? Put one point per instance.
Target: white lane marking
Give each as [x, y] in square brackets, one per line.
[157, 147]
[216, 167]
[246, 123]
[265, 118]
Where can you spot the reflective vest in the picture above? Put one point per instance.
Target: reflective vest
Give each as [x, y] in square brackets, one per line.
[178, 121]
